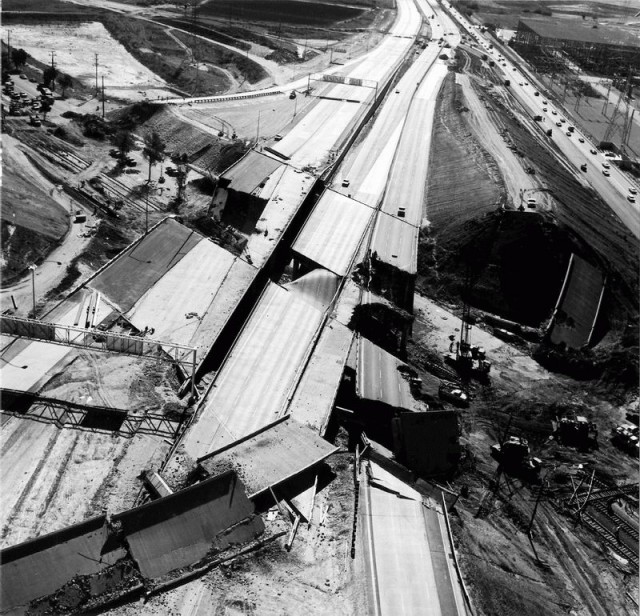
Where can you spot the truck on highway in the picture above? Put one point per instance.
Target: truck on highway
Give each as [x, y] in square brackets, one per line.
[507, 82]
[537, 118]
[570, 129]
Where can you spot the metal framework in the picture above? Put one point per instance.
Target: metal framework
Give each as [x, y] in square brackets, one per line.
[65, 414]
[98, 340]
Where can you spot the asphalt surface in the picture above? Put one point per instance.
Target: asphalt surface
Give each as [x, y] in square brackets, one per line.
[408, 553]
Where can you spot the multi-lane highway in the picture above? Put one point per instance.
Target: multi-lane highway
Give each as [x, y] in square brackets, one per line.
[609, 182]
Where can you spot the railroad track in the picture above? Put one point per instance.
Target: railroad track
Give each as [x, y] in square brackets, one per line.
[117, 191]
[610, 539]
[53, 149]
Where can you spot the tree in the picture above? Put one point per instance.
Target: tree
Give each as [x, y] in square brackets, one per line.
[65, 82]
[124, 141]
[49, 77]
[45, 108]
[181, 161]
[153, 151]
[19, 57]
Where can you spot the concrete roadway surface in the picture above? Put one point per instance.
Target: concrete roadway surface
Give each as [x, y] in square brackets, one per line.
[408, 555]
[614, 189]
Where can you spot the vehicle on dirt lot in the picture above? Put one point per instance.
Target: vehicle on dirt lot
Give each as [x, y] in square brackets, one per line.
[34, 120]
[345, 183]
[452, 393]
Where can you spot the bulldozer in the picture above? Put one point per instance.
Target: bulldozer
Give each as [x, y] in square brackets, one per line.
[514, 457]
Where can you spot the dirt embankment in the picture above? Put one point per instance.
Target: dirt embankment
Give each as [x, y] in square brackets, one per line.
[463, 180]
[515, 262]
[33, 222]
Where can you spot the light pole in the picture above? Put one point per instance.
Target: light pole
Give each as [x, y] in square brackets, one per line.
[33, 269]
[33, 287]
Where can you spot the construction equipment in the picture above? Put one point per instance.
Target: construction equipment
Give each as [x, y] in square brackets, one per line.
[626, 438]
[469, 360]
[514, 457]
[577, 431]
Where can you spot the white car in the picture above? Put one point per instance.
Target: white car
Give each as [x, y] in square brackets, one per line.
[554, 112]
[580, 139]
[594, 151]
[606, 165]
[633, 191]
[631, 199]
[605, 172]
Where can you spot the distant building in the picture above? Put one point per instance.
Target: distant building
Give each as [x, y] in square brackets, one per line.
[606, 49]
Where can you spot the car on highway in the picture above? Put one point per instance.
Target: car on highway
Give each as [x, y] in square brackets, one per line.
[633, 191]
[558, 123]
[631, 199]
[580, 139]
[606, 165]
[593, 151]
[605, 172]
[562, 120]
[345, 183]
[526, 83]
[568, 134]
[536, 93]
[584, 167]
[544, 109]
[554, 112]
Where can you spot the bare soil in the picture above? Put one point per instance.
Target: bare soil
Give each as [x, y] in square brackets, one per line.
[573, 571]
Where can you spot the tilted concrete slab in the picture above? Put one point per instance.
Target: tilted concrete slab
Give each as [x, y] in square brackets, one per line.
[251, 389]
[578, 304]
[396, 243]
[39, 567]
[315, 395]
[380, 378]
[181, 529]
[271, 456]
[333, 232]
[318, 288]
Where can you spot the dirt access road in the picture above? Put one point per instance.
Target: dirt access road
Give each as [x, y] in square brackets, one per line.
[51, 271]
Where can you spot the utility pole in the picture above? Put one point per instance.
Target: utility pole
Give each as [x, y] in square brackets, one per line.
[258, 130]
[103, 97]
[9, 47]
[97, 89]
[53, 66]
[606, 100]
